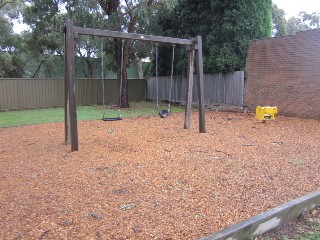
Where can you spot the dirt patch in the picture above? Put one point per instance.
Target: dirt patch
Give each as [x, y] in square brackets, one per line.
[305, 227]
[148, 178]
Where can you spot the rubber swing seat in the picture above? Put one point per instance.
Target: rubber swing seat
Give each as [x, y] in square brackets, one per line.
[164, 113]
[112, 119]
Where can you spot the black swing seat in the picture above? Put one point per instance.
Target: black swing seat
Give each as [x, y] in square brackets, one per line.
[164, 113]
[112, 119]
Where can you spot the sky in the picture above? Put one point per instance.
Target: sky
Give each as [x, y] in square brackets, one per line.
[293, 7]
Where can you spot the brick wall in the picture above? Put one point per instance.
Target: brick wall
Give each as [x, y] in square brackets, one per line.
[285, 72]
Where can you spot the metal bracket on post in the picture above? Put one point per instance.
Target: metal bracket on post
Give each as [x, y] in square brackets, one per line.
[192, 47]
[62, 29]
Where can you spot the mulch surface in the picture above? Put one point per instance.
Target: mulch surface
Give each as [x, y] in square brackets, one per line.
[148, 178]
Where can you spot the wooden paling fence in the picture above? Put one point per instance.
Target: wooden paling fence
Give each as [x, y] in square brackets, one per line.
[26, 93]
[224, 89]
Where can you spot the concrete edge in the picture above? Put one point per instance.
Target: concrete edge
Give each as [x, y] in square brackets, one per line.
[266, 221]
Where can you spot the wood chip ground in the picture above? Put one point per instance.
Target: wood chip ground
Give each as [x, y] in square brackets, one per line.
[148, 178]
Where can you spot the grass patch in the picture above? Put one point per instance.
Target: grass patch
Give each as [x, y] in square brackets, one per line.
[298, 162]
[31, 117]
[314, 233]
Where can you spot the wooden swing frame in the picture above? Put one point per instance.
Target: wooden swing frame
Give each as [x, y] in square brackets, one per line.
[194, 47]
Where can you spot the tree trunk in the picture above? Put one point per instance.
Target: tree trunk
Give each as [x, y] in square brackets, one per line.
[36, 73]
[123, 83]
[110, 7]
[90, 69]
[139, 66]
[126, 52]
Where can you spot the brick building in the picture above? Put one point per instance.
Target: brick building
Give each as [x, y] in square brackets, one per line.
[285, 72]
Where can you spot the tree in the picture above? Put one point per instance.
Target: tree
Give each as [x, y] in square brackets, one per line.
[225, 26]
[3, 3]
[279, 22]
[11, 59]
[312, 19]
[235, 24]
[45, 41]
[129, 16]
[303, 22]
[88, 14]
[295, 24]
[42, 44]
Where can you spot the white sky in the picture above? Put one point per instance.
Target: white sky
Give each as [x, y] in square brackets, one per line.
[293, 7]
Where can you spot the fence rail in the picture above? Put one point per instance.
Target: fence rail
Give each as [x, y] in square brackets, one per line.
[224, 89]
[24, 93]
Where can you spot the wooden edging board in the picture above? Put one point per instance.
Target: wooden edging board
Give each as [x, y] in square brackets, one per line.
[269, 220]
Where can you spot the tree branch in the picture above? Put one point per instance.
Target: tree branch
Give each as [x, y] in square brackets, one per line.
[129, 11]
[104, 5]
[3, 3]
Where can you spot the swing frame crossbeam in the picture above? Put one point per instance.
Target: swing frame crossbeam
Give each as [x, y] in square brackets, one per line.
[194, 47]
[132, 36]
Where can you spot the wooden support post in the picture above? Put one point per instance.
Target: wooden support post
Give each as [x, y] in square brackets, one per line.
[189, 88]
[71, 128]
[202, 123]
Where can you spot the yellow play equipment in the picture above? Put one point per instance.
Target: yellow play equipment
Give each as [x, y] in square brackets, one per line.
[266, 113]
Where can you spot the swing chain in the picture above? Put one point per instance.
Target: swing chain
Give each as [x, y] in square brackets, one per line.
[121, 78]
[157, 77]
[171, 77]
[102, 81]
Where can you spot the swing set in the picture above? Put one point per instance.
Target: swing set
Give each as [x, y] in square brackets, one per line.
[194, 47]
[104, 117]
[163, 113]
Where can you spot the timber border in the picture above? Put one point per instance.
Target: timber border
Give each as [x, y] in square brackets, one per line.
[269, 220]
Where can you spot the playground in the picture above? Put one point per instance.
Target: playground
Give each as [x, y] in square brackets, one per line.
[148, 178]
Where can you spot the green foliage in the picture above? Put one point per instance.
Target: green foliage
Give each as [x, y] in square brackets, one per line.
[45, 18]
[302, 22]
[313, 19]
[131, 16]
[3, 3]
[140, 16]
[11, 61]
[11, 66]
[241, 22]
[295, 24]
[42, 42]
[225, 27]
[279, 21]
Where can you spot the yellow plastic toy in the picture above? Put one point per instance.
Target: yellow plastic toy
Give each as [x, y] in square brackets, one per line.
[266, 113]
